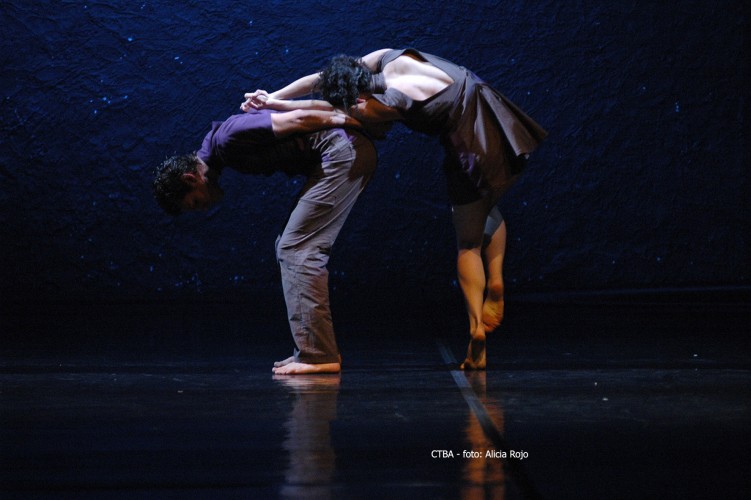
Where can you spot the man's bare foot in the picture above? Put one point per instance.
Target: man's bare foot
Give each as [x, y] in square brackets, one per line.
[297, 368]
[291, 359]
[492, 308]
[284, 362]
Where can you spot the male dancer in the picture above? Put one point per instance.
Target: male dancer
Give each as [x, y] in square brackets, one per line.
[338, 163]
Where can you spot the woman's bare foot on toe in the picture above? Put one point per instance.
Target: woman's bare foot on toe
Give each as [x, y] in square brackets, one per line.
[297, 368]
[475, 359]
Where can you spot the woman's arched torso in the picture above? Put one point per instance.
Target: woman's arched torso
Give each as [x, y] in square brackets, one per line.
[415, 77]
[486, 136]
[426, 89]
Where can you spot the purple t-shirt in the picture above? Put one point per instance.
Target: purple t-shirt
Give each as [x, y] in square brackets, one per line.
[246, 143]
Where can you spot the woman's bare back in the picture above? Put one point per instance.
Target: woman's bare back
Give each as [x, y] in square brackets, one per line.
[415, 77]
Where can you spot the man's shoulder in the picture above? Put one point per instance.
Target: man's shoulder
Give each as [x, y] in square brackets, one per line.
[255, 125]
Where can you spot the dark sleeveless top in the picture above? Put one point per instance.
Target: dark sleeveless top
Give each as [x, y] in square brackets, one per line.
[485, 135]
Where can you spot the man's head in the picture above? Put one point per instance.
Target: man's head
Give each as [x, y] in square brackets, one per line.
[185, 183]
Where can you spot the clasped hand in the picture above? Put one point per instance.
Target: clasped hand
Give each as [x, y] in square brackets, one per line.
[255, 100]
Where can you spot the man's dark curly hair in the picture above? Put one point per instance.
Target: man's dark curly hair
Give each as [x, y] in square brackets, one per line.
[169, 187]
[343, 80]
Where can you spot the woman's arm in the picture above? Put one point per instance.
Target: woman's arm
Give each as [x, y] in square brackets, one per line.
[308, 84]
[303, 86]
[300, 87]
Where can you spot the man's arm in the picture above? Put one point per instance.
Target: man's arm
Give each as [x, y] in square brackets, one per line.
[366, 110]
[260, 100]
[302, 121]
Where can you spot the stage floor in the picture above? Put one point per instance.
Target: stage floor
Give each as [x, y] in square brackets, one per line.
[578, 402]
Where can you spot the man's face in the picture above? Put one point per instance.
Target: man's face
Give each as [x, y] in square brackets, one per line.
[205, 190]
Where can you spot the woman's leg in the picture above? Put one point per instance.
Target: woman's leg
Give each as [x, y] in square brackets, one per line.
[494, 252]
[469, 223]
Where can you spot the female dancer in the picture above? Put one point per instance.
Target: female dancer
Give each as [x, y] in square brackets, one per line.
[486, 139]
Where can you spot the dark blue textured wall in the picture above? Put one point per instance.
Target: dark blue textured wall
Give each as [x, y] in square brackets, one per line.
[643, 183]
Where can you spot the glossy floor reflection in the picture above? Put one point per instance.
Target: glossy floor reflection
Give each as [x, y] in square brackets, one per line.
[571, 407]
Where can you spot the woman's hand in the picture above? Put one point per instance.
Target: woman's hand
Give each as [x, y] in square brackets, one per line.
[255, 100]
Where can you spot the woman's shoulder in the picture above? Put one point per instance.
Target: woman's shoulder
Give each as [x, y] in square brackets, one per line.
[374, 60]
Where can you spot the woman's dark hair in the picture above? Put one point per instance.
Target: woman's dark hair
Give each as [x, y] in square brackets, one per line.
[169, 187]
[343, 80]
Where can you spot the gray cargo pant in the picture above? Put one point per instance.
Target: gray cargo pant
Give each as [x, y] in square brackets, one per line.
[348, 160]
